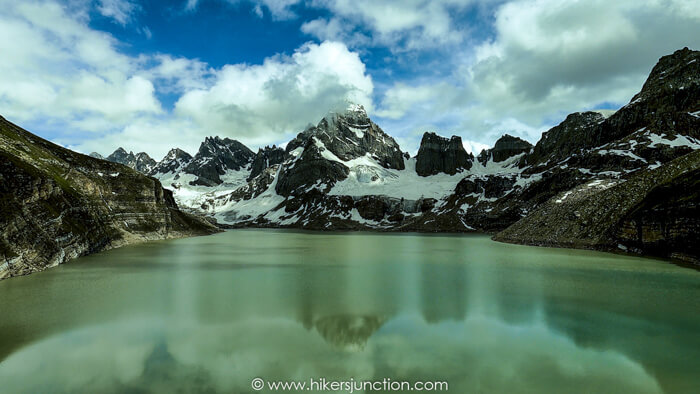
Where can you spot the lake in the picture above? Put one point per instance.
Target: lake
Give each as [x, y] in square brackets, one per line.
[210, 314]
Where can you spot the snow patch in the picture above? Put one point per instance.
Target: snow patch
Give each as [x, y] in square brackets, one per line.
[359, 133]
[562, 198]
[621, 152]
[367, 177]
[680, 141]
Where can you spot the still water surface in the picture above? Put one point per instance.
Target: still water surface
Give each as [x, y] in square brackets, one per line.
[209, 314]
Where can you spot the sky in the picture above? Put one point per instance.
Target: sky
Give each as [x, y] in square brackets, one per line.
[150, 75]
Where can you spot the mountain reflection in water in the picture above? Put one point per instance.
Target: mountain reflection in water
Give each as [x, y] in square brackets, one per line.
[210, 314]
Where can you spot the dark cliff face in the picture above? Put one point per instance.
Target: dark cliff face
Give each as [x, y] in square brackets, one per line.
[666, 222]
[56, 204]
[657, 127]
[438, 154]
[267, 157]
[215, 157]
[505, 148]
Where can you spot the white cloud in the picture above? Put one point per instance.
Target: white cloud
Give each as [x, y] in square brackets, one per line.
[335, 29]
[56, 67]
[280, 9]
[178, 74]
[119, 10]
[401, 99]
[256, 104]
[280, 96]
[401, 26]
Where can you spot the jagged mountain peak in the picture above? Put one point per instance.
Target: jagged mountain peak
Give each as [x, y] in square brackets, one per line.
[215, 156]
[142, 154]
[349, 110]
[176, 153]
[266, 157]
[173, 162]
[352, 115]
[351, 134]
[218, 140]
[212, 144]
[676, 71]
[119, 155]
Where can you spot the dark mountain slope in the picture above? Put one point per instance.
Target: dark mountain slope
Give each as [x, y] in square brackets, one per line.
[655, 211]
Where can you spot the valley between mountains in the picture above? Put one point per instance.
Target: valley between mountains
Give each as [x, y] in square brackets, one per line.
[626, 181]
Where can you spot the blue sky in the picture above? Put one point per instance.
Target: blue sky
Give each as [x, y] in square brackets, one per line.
[152, 75]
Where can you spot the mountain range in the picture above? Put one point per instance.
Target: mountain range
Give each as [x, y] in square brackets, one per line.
[625, 180]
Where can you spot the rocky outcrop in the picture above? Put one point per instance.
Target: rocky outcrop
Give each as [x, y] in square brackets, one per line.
[96, 155]
[56, 205]
[505, 148]
[215, 157]
[438, 154]
[265, 158]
